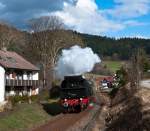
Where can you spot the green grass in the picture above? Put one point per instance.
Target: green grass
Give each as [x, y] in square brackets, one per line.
[23, 117]
[113, 65]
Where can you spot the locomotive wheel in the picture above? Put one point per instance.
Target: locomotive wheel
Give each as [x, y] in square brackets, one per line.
[69, 109]
[65, 110]
[84, 106]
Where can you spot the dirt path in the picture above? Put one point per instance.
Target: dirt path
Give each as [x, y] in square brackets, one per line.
[61, 123]
[73, 122]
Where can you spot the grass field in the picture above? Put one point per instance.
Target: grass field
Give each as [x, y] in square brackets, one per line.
[113, 65]
[26, 116]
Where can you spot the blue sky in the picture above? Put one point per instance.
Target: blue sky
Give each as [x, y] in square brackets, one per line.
[131, 31]
[105, 4]
[114, 18]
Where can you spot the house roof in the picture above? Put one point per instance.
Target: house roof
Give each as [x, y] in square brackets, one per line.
[12, 60]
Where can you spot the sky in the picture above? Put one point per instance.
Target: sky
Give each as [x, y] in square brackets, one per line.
[113, 18]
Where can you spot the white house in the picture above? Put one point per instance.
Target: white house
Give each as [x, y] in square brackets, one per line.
[17, 76]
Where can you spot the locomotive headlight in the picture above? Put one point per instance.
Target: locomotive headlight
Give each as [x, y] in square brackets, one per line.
[81, 99]
[65, 104]
[65, 99]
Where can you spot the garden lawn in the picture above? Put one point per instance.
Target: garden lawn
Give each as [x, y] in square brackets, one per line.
[23, 117]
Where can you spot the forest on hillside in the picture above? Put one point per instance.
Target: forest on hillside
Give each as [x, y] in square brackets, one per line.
[121, 49]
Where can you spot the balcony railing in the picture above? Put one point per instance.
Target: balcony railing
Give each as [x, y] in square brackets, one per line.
[10, 82]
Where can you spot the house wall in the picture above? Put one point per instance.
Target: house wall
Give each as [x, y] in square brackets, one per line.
[25, 76]
[35, 76]
[2, 84]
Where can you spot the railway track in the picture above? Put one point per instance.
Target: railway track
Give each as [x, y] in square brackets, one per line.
[91, 121]
[71, 122]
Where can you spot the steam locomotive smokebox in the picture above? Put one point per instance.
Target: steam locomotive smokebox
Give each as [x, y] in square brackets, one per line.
[75, 87]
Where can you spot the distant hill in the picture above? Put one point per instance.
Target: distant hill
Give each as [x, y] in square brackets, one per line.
[115, 48]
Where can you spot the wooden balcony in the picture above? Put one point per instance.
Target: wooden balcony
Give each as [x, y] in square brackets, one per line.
[10, 82]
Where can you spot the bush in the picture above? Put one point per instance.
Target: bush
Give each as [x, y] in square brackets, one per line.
[121, 78]
[17, 98]
[23, 99]
[113, 92]
[56, 82]
[35, 98]
[55, 92]
[44, 95]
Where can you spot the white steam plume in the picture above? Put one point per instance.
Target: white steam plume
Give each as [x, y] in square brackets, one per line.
[76, 61]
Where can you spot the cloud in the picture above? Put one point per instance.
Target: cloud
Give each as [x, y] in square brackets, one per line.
[129, 8]
[2, 6]
[81, 15]
[19, 11]
[85, 17]
[135, 23]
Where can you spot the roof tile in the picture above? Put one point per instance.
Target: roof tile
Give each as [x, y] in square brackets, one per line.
[10, 59]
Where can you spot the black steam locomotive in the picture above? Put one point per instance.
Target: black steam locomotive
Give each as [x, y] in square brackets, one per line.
[76, 93]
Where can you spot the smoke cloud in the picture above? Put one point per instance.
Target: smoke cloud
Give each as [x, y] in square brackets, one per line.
[76, 61]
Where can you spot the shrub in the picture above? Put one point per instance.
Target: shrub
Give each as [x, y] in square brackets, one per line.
[15, 99]
[55, 92]
[44, 95]
[113, 92]
[121, 78]
[35, 98]
[23, 99]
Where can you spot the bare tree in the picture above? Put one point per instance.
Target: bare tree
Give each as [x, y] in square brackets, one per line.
[136, 68]
[48, 40]
[8, 35]
[46, 23]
